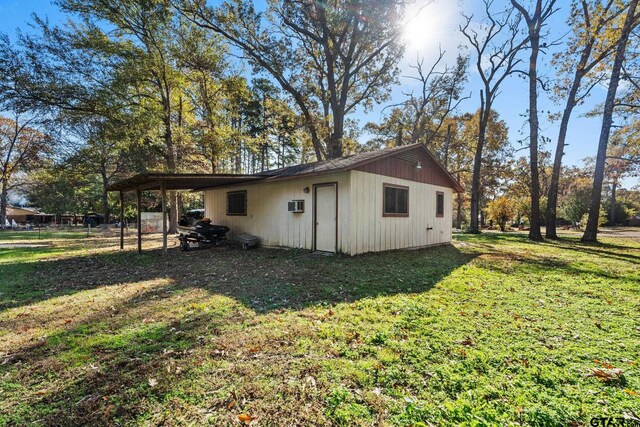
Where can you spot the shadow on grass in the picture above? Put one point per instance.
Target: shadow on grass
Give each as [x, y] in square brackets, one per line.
[127, 352]
[263, 279]
[108, 368]
[598, 248]
[489, 245]
[106, 359]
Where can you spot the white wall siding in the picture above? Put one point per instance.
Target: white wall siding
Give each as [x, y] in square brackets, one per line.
[361, 225]
[373, 232]
[267, 216]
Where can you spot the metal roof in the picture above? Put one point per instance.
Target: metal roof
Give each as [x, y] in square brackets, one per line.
[180, 181]
[406, 152]
[341, 163]
[174, 181]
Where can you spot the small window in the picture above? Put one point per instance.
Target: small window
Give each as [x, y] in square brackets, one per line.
[439, 204]
[237, 203]
[396, 200]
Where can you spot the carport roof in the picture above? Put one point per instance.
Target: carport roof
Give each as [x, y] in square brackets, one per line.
[201, 181]
[180, 181]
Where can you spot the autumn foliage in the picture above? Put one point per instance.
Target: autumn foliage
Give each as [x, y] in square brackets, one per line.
[501, 211]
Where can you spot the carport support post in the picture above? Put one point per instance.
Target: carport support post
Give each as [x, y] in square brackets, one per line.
[139, 218]
[121, 220]
[163, 191]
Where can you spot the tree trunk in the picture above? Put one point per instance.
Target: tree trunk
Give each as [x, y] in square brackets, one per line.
[264, 162]
[552, 195]
[446, 148]
[612, 208]
[213, 159]
[399, 136]
[171, 165]
[459, 213]
[105, 196]
[3, 203]
[334, 144]
[105, 206]
[534, 230]
[180, 204]
[485, 111]
[591, 230]
[173, 212]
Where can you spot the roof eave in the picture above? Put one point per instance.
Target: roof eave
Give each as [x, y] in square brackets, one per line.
[149, 181]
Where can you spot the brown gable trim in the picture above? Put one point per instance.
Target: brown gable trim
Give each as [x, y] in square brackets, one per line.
[449, 181]
[456, 184]
[432, 171]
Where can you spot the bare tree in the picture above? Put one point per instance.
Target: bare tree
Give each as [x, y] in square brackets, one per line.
[496, 58]
[329, 57]
[591, 18]
[591, 230]
[440, 95]
[535, 22]
[421, 116]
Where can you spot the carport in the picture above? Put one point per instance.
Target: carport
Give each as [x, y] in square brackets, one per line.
[164, 182]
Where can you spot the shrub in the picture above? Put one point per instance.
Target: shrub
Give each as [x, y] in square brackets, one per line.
[501, 211]
[602, 219]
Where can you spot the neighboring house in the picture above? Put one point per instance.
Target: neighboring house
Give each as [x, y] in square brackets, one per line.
[373, 201]
[27, 215]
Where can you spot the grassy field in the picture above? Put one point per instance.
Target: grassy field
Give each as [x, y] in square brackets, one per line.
[492, 330]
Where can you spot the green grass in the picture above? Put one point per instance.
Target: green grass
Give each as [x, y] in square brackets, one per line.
[493, 330]
[44, 235]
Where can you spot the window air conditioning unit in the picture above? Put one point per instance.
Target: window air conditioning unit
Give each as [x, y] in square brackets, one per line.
[296, 206]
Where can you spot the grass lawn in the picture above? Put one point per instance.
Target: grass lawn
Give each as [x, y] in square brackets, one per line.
[492, 330]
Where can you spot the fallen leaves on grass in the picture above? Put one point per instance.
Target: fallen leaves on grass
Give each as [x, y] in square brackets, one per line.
[609, 376]
[245, 418]
[308, 358]
[604, 364]
[468, 341]
[108, 410]
[608, 373]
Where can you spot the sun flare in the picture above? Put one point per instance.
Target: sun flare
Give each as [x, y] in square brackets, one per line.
[426, 28]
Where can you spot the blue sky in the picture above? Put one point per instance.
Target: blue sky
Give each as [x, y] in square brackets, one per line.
[436, 25]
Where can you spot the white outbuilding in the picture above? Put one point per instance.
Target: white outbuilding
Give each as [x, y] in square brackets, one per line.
[373, 201]
[369, 202]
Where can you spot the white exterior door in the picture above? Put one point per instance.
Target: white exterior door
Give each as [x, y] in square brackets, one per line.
[326, 220]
